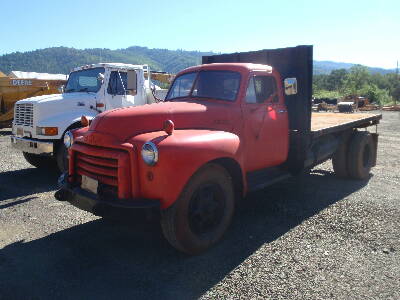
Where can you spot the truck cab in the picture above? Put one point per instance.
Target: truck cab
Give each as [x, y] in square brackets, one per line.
[40, 122]
[224, 130]
[218, 114]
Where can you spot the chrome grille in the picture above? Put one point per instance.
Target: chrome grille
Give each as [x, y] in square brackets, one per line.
[24, 114]
[110, 167]
[105, 170]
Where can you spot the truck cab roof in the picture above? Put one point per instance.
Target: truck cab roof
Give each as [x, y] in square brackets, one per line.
[239, 67]
[112, 65]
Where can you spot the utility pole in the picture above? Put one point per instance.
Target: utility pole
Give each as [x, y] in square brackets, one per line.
[397, 77]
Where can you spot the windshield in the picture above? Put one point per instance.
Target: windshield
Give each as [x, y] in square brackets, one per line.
[85, 80]
[223, 85]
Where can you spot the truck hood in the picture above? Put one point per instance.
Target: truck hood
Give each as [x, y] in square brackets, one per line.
[128, 122]
[59, 99]
[53, 105]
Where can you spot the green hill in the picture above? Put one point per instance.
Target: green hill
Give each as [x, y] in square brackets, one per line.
[326, 67]
[63, 59]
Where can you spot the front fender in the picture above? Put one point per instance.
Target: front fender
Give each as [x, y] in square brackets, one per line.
[180, 156]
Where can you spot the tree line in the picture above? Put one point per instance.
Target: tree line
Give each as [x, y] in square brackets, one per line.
[63, 59]
[357, 81]
[381, 89]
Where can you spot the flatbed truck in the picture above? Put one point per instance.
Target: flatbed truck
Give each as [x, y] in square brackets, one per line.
[236, 124]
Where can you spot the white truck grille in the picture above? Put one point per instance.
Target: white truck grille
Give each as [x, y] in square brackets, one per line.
[24, 114]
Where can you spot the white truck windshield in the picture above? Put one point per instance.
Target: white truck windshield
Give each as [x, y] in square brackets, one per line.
[87, 80]
[222, 85]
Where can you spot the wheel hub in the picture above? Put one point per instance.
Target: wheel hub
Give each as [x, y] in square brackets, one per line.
[206, 208]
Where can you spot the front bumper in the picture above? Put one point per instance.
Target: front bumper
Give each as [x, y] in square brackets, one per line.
[32, 146]
[103, 207]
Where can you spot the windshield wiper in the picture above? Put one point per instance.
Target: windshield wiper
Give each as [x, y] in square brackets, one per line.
[85, 90]
[69, 90]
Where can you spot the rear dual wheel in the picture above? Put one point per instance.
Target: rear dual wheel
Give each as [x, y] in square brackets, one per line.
[340, 158]
[354, 159]
[202, 213]
[361, 154]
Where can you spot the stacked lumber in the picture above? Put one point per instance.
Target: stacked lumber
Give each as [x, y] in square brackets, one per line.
[391, 108]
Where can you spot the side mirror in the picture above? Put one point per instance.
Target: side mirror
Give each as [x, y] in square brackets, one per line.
[61, 89]
[132, 82]
[100, 78]
[290, 86]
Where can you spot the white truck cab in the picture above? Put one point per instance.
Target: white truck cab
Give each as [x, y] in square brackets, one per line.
[40, 122]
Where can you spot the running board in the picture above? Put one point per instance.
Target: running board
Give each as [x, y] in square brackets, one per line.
[261, 179]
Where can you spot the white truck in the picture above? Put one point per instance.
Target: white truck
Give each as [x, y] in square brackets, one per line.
[40, 122]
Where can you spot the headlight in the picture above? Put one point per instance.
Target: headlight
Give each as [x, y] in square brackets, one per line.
[150, 153]
[68, 139]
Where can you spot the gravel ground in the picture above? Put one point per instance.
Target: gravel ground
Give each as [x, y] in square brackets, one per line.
[314, 237]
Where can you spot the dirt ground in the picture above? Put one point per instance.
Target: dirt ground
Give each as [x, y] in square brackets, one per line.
[313, 237]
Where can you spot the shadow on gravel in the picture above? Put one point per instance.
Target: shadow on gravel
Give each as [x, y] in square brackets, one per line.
[104, 260]
[26, 182]
[17, 202]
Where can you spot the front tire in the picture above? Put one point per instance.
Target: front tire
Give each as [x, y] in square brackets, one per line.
[202, 213]
[39, 161]
[62, 158]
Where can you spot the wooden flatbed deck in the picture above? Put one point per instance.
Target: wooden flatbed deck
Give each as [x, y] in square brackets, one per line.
[324, 123]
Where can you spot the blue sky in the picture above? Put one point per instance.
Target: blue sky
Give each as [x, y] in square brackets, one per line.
[365, 32]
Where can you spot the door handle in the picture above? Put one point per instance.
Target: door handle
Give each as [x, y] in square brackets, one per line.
[281, 111]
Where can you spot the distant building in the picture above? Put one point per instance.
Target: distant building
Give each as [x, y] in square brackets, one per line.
[34, 75]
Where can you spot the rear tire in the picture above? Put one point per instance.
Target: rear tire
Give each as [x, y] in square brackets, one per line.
[39, 161]
[361, 155]
[202, 213]
[340, 158]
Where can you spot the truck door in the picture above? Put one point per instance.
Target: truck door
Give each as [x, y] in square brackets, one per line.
[116, 94]
[265, 123]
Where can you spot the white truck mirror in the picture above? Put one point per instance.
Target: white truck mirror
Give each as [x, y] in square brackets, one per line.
[61, 89]
[100, 78]
[290, 86]
[132, 82]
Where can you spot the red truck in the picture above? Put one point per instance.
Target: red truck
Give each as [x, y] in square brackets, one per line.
[233, 125]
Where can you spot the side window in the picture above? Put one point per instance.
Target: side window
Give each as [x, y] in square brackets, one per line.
[115, 85]
[182, 86]
[260, 89]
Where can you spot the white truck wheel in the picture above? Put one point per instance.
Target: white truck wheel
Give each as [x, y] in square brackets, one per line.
[39, 161]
